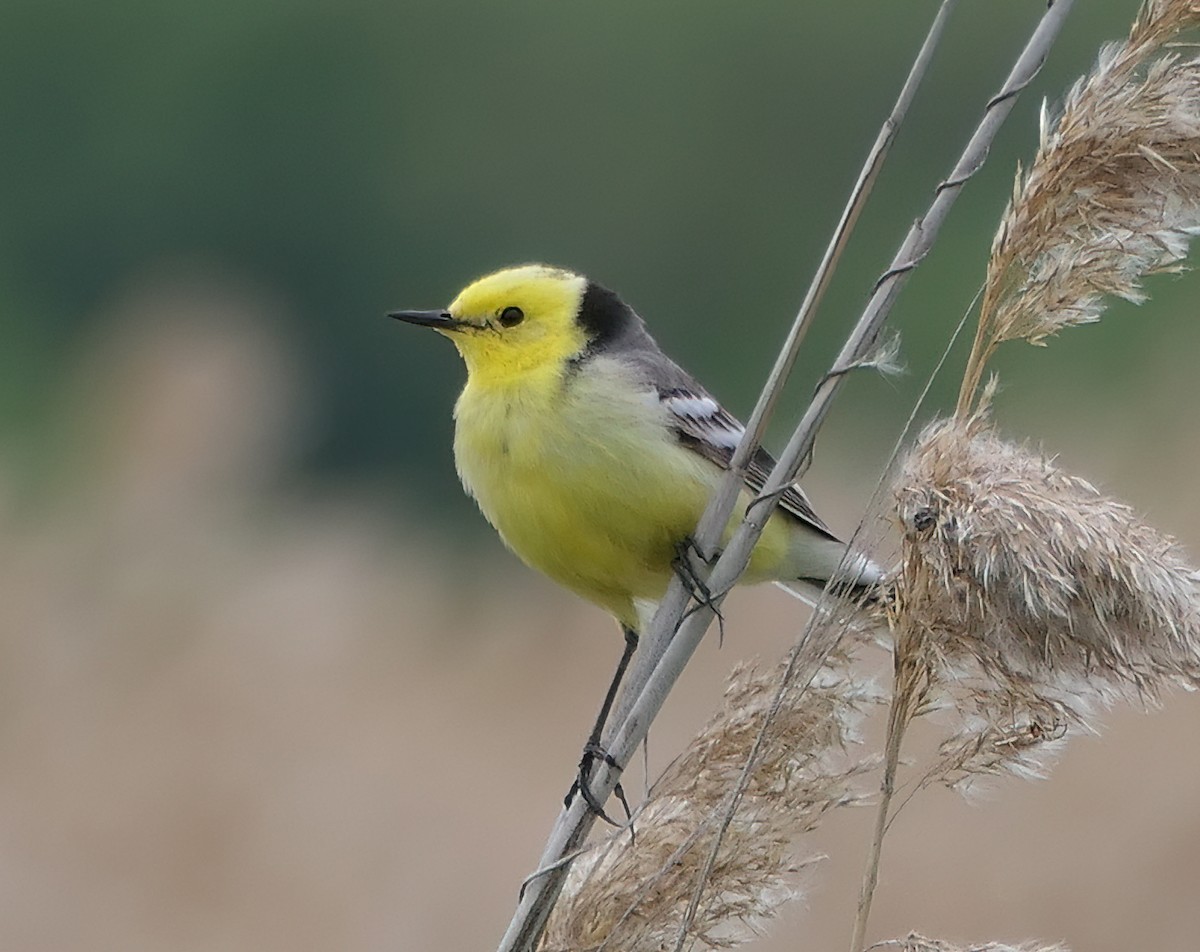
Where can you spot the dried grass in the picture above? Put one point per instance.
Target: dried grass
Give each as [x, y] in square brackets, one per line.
[913, 942]
[633, 894]
[1031, 599]
[1026, 599]
[1112, 195]
[1032, 573]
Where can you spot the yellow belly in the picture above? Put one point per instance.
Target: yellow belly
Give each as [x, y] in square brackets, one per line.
[594, 495]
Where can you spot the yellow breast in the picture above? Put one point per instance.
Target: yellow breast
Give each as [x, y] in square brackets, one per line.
[585, 482]
[582, 483]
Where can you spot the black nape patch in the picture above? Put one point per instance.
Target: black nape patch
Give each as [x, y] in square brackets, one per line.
[603, 314]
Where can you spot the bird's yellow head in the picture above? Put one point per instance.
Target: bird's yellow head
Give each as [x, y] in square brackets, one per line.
[513, 324]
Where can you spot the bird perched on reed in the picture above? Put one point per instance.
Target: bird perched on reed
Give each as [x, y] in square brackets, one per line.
[593, 454]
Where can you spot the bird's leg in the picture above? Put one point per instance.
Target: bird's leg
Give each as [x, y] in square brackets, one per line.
[593, 751]
[697, 587]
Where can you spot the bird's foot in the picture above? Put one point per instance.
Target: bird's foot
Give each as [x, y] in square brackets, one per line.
[582, 785]
[687, 555]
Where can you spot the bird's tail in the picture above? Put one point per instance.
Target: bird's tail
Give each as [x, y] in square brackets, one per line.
[855, 579]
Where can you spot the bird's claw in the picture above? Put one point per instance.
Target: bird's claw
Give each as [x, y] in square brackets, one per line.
[697, 586]
[581, 786]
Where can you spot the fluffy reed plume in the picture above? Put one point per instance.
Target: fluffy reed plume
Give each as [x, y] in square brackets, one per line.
[633, 894]
[919, 943]
[1013, 732]
[1032, 573]
[1031, 598]
[1112, 195]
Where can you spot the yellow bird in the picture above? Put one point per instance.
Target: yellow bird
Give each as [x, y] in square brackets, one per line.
[593, 454]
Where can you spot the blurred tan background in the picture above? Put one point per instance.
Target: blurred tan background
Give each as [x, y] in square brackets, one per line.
[266, 679]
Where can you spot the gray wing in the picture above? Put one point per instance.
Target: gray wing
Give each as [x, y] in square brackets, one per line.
[699, 421]
[705, 427]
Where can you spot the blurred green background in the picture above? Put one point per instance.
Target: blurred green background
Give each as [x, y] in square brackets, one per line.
[347, 159]
[245, 695]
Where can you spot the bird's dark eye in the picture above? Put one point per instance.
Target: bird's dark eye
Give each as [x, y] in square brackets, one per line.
[511, 316]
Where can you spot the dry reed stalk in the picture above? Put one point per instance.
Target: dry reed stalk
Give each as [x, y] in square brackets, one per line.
[914, 942]
[632, 894]
[1113, 193]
